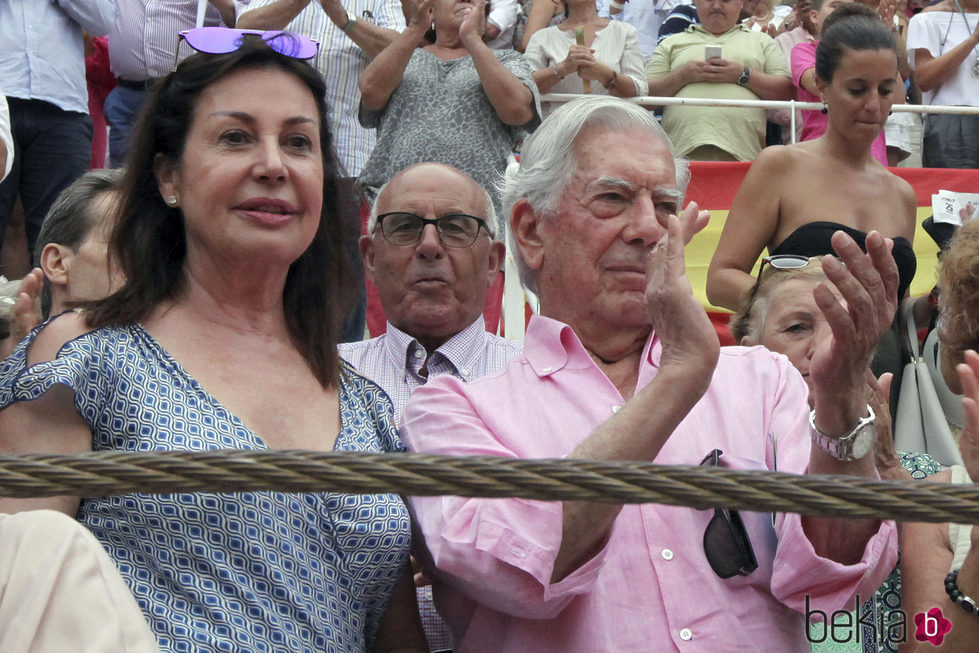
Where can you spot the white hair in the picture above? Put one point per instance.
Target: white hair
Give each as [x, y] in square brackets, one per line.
[490, 211]
[547, 158]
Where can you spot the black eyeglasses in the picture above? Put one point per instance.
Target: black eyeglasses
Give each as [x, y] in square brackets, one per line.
[454, 230]
[222, 40]
[726, 542]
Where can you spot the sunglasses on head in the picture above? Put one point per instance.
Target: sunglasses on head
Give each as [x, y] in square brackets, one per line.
[726, 542]
[222, 40]
[780, 262]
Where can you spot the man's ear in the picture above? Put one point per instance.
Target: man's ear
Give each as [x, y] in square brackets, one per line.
[55, 261]
[525, 223]
[497, 254]
[366, 246]
[167, 177]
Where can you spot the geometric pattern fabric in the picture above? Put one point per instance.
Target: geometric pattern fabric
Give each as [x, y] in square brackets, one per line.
[250, 571]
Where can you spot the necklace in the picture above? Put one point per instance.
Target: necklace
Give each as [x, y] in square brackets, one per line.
[975, 66]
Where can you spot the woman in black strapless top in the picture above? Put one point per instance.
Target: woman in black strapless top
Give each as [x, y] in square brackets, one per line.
[794, 197]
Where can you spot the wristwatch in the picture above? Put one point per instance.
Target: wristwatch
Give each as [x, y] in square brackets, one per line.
[743, 80]
[854, 445]
[349, 25]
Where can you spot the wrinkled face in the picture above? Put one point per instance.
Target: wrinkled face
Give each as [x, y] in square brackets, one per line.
[590, 257]
[828, 7]
[794, 325]
[428, 290]
[862, 92]
[250, 180]
[718, 16]
[89, 273]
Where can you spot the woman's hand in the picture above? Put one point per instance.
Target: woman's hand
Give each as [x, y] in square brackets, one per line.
[888, 464]
[579, 56]
[474, 23]
[969, 440]
[26, 313]
[421, 17]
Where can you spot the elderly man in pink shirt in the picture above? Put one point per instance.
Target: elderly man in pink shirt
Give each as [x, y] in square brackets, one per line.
[622, 364]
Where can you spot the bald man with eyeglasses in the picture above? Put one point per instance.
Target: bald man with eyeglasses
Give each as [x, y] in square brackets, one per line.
[432, 252]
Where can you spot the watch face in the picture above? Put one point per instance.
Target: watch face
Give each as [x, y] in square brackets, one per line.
[863, 441]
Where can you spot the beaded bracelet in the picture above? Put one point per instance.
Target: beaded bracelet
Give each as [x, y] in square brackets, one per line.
[953, 591]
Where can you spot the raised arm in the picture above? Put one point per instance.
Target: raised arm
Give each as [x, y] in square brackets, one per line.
[867, 284]
[750, 226]
[540, 16]
[275, 15]
[383, 75]
[227, 10]
[511, 99]
[640, 429]
[369, 37]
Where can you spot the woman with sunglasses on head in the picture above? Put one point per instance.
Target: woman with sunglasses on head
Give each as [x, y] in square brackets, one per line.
[224, 336]
[781, 314]
[454, 101]
[795, 197]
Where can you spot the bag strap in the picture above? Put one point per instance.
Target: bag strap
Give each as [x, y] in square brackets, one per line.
[911, 342]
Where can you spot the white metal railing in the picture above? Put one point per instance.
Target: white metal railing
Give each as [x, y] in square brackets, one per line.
[791, 105]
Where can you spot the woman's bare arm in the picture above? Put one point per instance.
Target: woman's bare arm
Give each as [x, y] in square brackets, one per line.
[750, 226]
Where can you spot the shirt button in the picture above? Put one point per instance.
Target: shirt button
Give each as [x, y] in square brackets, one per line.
[667, 554]
[616, 408]
[686, 634]
[547, 369]
[518, 552]
[464, 371]
[418, 353]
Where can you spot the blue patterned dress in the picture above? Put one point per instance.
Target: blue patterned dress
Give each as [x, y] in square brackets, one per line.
[253, 571]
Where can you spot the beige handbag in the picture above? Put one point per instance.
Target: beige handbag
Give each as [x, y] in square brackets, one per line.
[922, 425]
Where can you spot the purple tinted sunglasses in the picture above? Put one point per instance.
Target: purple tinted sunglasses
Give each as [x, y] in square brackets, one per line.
[221, 40]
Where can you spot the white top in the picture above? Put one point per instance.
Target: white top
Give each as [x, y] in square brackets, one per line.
[938, 32]
[503, 14]
[616, 45]
[5, 135]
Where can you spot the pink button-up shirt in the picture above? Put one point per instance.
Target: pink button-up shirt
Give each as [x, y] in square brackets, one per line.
[650, 588]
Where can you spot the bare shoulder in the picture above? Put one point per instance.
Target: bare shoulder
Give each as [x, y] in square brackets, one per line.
[55, 335]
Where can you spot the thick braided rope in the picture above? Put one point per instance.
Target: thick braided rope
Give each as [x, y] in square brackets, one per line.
[114, 472]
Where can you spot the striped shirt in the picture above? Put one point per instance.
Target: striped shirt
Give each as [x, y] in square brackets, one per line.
[41, 52]
[142, 43]
[341, 61]
[394, 360]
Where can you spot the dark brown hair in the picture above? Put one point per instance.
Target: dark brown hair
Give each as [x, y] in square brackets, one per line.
[149, 240]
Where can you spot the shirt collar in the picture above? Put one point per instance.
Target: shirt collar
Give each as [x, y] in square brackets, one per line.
[462, 350]
[551, 345]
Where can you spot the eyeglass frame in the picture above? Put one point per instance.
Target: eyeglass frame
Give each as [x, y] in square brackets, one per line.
[182, 36]
[773, 260]
[747, 563]
[481, 225]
